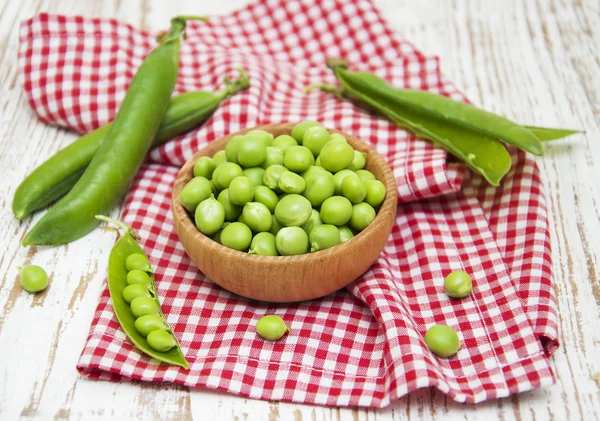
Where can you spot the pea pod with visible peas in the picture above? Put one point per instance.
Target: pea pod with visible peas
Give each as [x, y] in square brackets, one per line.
[55, 177]
[136, 305]
[118, 158]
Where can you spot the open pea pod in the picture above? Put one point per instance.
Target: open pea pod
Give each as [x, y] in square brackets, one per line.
[117, 281]
[483, 154]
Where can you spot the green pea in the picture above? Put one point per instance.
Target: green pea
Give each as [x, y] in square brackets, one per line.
[336, 210]
[271, 327]
[241, 190]
[362, 215]
[137, 276]
[338, 179]
[365, 175]
[298, 158]
[217, 236]
[226, 173]
[219, 158]
[291, 241]
[161, 340]
[257, 216]
[274, 157]
[33, 278]
[236, 236]
[266, 196]
[251, 151]
[290, 182]
[194, 192]
[133, 291]
[313, 221]
[375, 192]
[150, 323]
[232, 212]
[323, 237]
[315, 139]
[140, 306]
[255, 174]
[313, 169]
[204, 167]
[338, 137]
[335, 156]
[319, 187]
[442, 340]
[301, 128]
[282, 142]
[345, 233]
[293, 210]
[266, 137]
[272, 174]
[231, 148]
[209, 216]
[354, 189]
[458, 284]
[275, 226]
[137, 261]
[263, 244]
[359, 161]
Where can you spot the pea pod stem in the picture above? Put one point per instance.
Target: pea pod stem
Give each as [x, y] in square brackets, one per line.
[55, 177]
[177, 26]
[122, 227]
[234, 86]
[336, 90]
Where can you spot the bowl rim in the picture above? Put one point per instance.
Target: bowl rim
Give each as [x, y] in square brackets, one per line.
[388, 206]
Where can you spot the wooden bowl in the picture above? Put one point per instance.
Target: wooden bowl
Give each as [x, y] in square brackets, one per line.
[287, 278]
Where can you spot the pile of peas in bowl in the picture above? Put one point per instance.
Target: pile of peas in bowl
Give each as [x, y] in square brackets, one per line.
[285, 196]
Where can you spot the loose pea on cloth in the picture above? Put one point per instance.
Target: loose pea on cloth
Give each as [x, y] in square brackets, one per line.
[362, 345]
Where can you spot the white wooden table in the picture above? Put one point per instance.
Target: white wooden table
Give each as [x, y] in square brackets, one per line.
[535, 61]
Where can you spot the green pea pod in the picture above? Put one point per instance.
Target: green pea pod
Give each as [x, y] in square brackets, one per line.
[117, 281]
[482, 153]
[546, 134]
[462, 114]
[444, 108]
[117, 160]
[55, 177]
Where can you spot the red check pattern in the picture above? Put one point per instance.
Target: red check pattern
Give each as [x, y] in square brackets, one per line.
[362, 346]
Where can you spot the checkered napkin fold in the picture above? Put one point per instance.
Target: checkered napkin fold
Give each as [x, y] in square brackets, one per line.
[362, 346]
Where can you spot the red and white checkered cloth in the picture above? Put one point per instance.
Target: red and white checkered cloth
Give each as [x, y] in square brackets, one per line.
[362, 346]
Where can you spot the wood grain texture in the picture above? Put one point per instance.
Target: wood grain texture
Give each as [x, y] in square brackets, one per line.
[283, 279]
[536, 61]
